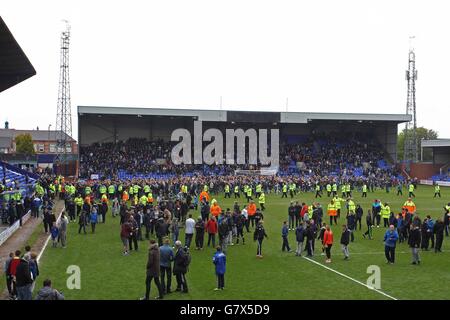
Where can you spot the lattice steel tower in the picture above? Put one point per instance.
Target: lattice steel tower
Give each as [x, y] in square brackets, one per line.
[63, 113]
[410, 149]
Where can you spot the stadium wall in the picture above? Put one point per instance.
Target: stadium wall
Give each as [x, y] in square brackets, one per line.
[424, 170]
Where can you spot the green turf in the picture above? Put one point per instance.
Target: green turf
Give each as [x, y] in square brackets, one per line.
[106, 274]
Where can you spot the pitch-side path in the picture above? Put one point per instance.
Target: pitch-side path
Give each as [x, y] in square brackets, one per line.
[20, 239]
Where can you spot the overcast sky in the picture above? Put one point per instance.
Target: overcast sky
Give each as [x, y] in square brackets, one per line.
[324, 55]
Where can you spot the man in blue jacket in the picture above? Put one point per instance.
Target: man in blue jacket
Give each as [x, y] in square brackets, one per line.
[220, 261]
[284, 235]
[166, 256]
[390, 241]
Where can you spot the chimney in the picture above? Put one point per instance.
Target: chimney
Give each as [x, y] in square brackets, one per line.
[6, 125]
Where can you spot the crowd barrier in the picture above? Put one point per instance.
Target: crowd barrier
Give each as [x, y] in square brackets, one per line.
[431, 182]
[7, 233]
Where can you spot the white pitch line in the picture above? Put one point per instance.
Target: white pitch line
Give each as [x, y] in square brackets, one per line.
[382, 252]
[48, 239]
[350, 278]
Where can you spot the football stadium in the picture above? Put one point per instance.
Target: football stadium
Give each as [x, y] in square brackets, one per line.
[213, 204]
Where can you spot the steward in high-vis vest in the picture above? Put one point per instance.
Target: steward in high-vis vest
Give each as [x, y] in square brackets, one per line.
[364, 190]
[348, 190]
[437, 191]
[79, 203]
[125, 196]
[215, 209]
[102, 190]
[52, 190]
[150, 198]
[332, 212]
[385, 213]
[146, 189]
[292, 188]
[344, 191]
[262, 201]
[351, 206]
[328, 190]
[236, 192]
[143, 200]
[337, 205]
[249, 193]
[410, 206]
[411, 191]
[227, 191]
[136, 189]
[318, 191]
[284, 190]
[87, 191]
[334, 189]
[111, 191]
[258, 189]
[310, 211]
[131, 192]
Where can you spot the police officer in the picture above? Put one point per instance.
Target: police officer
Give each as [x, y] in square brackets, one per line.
[437, 190]
[284, 190]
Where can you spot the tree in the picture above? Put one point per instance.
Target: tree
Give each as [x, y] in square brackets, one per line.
[24, 144]
[422, 133]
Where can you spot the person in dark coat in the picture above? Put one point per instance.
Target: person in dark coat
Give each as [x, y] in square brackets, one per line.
[310, 238]
[23, 280]
[414, 242]
[259, 236]
[438, 230]
[180, 267]
[205, 210]
[220, 261]
[351, 226]
[199, 233]
[12, 214]
[153, 270]
[300, 237]
[82, 222]
[161, 229]
[71, 209]
[358, 216]
[369, 222]
[424, 235]
[133, 237]
[345, 240]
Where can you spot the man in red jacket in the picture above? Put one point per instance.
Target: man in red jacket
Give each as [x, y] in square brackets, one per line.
[212, 228]
[12, 272]
[304, 210]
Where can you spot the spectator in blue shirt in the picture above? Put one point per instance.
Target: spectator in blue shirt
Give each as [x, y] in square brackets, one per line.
[284, 235]
[93, 218]
[165, 261]
[220, 261]
[390, 241]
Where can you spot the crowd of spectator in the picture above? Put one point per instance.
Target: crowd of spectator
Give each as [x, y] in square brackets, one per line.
[317, 154]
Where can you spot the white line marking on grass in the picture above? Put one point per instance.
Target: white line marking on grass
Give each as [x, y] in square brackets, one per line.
[382, 252]
[350, 278]
[48, 239]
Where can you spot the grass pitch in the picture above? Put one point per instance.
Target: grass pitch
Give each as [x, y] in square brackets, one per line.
[106, 274]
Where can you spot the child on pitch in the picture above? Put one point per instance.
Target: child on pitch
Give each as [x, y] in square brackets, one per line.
[54, 231]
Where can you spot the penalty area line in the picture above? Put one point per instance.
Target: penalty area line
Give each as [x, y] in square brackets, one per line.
[350, 278]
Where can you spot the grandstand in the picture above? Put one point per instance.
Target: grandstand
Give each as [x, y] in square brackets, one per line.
[439, 169]
[354, 144]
